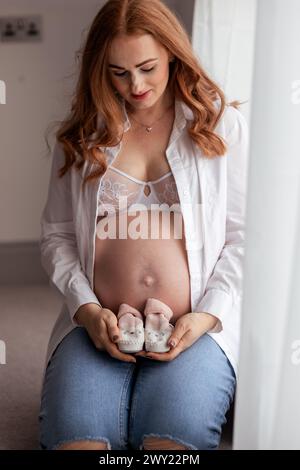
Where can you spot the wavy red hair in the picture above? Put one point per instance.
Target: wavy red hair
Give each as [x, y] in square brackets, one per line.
[94, 95]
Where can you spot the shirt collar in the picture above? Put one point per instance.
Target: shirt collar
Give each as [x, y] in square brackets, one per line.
[183, 113]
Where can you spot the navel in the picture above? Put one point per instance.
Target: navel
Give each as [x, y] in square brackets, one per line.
[148, 280]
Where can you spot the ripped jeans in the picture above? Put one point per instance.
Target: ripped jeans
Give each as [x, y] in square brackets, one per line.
[89, 395]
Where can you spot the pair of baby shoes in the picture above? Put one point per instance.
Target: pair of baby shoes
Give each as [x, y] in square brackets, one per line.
[157, 329]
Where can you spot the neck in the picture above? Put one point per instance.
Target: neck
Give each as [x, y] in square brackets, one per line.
[150, 114]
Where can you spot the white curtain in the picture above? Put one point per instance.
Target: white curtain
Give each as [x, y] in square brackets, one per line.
[223, 39]
[268, 408]
[267, 412]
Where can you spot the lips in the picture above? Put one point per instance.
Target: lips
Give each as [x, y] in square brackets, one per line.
[141, 95]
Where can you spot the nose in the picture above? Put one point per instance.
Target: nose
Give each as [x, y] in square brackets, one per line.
[137, 86]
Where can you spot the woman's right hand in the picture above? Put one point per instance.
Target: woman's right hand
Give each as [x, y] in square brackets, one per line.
[102, 326]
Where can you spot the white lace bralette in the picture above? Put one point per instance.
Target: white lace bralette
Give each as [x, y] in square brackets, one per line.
[117, 187]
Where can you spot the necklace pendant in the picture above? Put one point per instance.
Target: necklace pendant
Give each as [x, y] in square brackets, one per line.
[148, 129]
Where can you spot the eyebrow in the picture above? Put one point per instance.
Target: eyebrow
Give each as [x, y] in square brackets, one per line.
[138, 65]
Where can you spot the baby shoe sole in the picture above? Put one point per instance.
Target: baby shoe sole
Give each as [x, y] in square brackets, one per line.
[129, 348]
[154, 347]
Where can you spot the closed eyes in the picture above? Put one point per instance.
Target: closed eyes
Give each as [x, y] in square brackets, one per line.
[143, 70]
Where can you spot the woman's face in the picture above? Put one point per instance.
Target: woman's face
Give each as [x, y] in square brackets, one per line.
[128, 76]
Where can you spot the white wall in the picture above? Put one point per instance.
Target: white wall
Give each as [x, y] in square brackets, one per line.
[36, 94]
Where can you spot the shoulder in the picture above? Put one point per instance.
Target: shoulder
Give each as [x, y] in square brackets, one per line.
[233, 126]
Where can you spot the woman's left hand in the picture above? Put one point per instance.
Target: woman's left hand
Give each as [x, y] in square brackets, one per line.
[188, 328]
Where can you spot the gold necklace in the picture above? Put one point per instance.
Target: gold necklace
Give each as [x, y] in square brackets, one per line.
[149, 128]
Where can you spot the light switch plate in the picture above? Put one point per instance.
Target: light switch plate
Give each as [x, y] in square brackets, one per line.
[27, 28]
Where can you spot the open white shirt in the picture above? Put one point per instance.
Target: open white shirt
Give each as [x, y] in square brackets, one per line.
[212, 194]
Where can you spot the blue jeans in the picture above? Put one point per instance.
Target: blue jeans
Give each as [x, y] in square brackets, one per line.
[89, 395]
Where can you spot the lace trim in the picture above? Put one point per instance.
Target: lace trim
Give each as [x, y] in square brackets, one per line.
[111, 190]
[169, 193]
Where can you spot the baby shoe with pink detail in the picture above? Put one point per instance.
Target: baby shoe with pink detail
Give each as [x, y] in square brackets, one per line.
[131, 325]
[157, 327]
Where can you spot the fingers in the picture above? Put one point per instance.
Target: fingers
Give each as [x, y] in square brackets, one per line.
[167, 356]
[111, 329]
[114, 351]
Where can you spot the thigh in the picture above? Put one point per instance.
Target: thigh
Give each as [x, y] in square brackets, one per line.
[85, 395]
[184, 400]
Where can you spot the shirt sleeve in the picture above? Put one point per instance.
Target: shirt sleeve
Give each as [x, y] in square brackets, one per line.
[224, 287]
[58, 244]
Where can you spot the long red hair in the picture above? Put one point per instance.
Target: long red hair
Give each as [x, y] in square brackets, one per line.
[94, 95]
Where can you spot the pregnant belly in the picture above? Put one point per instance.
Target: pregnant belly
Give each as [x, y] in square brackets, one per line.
[131, 270]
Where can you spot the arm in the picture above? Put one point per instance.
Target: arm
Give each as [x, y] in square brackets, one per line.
[58, 246]
[224, 287]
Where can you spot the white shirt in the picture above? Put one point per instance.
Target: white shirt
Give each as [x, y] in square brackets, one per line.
[212, 194]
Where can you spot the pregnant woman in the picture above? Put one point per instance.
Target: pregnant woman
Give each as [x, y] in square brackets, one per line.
[143, 230]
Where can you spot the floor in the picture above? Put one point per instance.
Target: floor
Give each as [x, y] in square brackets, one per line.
[27, 314]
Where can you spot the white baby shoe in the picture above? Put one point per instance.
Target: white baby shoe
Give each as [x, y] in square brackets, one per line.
[131, 325]
[157, 327]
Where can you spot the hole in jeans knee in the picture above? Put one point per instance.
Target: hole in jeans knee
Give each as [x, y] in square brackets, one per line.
[155, 441]
[78, 441]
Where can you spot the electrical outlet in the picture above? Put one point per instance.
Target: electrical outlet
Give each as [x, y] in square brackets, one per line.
[21, 28]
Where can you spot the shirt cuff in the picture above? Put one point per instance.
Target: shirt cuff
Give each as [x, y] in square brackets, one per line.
[78, 295]
[218, 303]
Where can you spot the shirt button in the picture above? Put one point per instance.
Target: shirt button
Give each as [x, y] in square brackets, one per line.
[185, 192]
